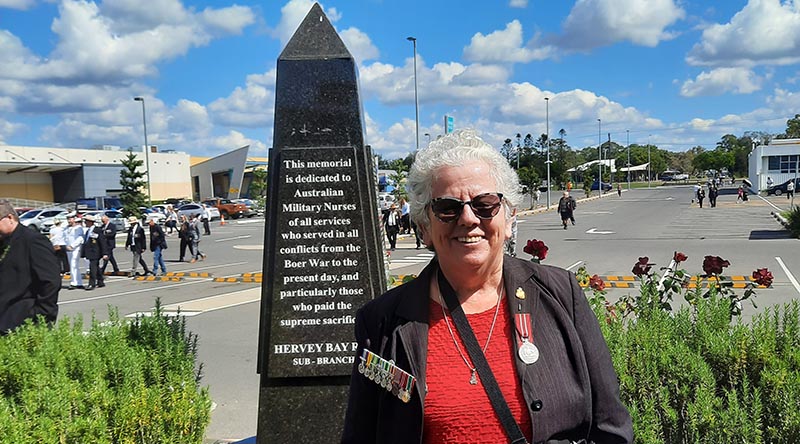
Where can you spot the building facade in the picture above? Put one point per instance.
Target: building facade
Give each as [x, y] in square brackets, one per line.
[779, 161]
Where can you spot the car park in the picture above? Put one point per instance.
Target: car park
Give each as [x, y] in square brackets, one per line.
[42, 220]
[782, 188]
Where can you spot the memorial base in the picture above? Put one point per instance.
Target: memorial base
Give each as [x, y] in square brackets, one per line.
[302, 413]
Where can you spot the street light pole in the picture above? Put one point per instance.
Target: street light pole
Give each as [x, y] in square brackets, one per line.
[416, 98]
[628, 141]
[547, 111]
[648, 160]
[146, 150]
[599, 160]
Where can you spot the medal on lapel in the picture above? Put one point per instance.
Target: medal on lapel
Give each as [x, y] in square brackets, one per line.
[526, 349]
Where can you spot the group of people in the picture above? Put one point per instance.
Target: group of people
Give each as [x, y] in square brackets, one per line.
[84, 239]
[397, 220]
[189, 233]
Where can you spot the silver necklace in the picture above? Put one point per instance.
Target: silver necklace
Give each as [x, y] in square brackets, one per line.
[473, 379]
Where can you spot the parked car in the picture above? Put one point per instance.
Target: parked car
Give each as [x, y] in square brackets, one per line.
[606, 186]
[780, 189]
[42, 220]
[212, 211]
[227, 208]
[114, 216]
[191, 209]
[385, 200]
[251, 207]
[150, 213]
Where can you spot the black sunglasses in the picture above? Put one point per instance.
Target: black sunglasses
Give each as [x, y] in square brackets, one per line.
[448, 209]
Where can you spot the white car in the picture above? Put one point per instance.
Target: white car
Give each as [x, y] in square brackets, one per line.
[42, 220]
[114, 216]
[212, 211]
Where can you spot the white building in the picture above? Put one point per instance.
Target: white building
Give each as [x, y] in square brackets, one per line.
[778, 161]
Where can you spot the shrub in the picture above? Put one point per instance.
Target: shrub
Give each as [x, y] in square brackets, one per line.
[694, 376]
[120, 382]
[793, 217]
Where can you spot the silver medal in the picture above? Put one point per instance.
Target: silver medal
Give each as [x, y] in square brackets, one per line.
[528, 352]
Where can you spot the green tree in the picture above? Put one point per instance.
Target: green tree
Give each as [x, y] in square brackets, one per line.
[131, 181]
[507, 150]
[258, 187]
[792, 128]
[529, 179]
[713, 160]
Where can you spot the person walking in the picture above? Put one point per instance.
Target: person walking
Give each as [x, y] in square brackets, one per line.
[110, 232]
[405, 218]
[391, 222]
[94, 249]
[171, 221]
[28, 273]
[58, 237]
[158, 243]
[194, 230]
[566, 208]
[206, 220]
[74, 243]
[713, 192]
[185, 235]
[769, 182]
[790, 189]
[536, 196]
[739, 194]
[137, 244]
[701, 194]
[619, 190]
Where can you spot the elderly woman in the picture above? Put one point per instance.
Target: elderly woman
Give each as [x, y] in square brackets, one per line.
[477, 322]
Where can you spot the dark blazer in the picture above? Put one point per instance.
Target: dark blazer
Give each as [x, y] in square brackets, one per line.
[110, 232]
[573, 382]
[136, 238]
[157, 238]
[95, 245]
[29, 279]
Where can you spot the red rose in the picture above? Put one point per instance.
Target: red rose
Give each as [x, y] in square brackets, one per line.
[762, 276]
[536, 248]
[595, 283]
[714, 265]
[679, 257]
[642, 268]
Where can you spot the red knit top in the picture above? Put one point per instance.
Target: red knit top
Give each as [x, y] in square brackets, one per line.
[455, 410]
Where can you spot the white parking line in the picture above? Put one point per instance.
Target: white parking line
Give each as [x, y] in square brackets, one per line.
[770, 203]
[195, 307]
[225, 239]
[788, 273]
[574, 265]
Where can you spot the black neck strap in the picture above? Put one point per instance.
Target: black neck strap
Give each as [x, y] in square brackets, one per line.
[479, 361]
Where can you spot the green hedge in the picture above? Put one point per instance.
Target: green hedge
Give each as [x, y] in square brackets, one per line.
[793, 217]
[120, 382]
[695, 376]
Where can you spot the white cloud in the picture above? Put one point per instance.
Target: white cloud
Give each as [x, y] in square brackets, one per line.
[251, 106]
[518, 3]
[763, 32]
[235, 139]
[96, 48]
[722, 80]
[505, 46]
[359, 44]
[293, 13]
[17, 4]
[597, 23]
[8, 129]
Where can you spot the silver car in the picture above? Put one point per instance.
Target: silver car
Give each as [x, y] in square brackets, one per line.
[114, 216]
[42, 220]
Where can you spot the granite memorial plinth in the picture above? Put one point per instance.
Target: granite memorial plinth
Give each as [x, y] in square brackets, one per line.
[322, 255]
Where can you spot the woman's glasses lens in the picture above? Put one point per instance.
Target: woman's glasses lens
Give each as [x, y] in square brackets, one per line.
[448, 209]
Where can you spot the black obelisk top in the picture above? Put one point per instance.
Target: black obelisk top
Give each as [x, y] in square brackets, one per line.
[316, 39]
[316, 93]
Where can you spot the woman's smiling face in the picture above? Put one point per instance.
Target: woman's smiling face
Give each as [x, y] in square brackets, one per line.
[468, 243]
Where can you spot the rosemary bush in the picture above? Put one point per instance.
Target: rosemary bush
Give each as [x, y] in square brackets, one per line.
[120, 382]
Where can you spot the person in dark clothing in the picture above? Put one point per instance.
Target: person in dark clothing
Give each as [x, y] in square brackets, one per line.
[701, 194]
[185, 234]
[158, 243]
[391, 221]
[29, 273]
[566, 207]
[712, 196]
[110, 232]
[94, 248]
[137, 243]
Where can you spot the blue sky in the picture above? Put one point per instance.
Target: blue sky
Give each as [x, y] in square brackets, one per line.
[677, 73]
